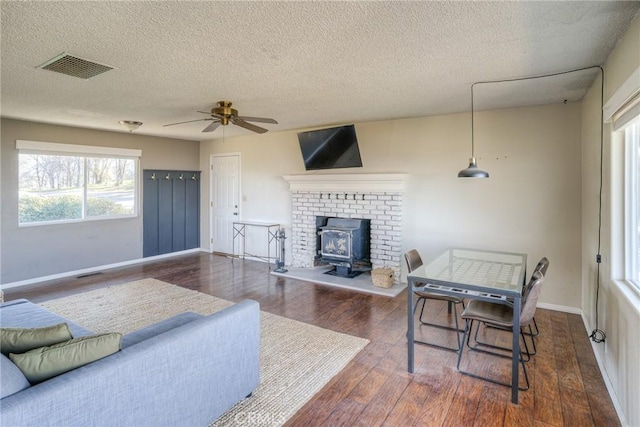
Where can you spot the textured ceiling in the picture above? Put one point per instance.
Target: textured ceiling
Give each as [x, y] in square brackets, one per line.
[306, 64]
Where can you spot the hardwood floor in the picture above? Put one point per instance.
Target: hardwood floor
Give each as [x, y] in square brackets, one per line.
[375, 388]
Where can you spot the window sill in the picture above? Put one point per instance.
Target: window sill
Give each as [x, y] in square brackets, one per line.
[629, 290]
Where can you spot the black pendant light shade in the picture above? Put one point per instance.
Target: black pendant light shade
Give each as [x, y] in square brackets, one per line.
[473, 171]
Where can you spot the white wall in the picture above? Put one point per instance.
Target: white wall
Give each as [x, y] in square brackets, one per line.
[38, 251]
[619, 308]
[531, 203]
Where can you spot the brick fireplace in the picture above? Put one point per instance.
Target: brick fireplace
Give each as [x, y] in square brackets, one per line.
[376, 197]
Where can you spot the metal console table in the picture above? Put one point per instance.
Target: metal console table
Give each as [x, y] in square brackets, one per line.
[239, 232]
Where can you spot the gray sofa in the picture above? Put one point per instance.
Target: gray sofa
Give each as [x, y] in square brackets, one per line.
[184, 371]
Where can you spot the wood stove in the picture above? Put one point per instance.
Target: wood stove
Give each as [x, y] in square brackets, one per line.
[345, 244]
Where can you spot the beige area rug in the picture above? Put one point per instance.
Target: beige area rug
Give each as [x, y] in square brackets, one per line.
[296, 359]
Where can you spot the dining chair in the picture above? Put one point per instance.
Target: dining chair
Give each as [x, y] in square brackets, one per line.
[523, 332]
[502, 315]
[414, 261]
[541, 267]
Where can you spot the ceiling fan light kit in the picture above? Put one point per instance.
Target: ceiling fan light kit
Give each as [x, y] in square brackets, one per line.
[130, 125]
[223, 114]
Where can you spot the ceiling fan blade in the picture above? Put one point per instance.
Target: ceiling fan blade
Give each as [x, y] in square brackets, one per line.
[213, 126]
[258, 119]
[239, 122]
[188, 121]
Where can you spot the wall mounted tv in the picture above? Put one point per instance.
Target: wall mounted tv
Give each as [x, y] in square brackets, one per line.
[330, 148]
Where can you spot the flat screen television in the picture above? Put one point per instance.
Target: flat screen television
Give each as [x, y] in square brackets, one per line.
[330, 148]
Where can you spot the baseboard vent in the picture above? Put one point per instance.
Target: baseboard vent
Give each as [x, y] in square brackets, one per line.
[74, 66]
[88, 274]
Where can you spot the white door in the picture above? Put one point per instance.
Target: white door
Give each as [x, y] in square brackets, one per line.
[225, 200]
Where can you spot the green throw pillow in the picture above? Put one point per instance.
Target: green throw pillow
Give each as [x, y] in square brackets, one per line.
[43, 363]
[20, 340]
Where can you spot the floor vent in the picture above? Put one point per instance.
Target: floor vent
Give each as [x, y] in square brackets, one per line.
[74, 66]
[88, 274]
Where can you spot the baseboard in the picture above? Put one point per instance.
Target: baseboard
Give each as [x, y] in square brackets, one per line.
[563, 308]
[96, 269]
[605, 377]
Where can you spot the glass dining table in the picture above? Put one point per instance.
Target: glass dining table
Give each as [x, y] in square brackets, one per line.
[485, 275]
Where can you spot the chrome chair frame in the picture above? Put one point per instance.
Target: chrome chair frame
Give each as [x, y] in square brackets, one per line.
[542, 267]
[526, 318]
[413, 260]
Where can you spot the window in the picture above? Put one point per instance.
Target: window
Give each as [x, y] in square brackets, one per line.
[632, 201]
[622, 110]
[63, 183]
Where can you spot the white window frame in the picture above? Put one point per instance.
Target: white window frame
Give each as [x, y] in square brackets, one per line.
[623, 110]
[631, 200]
[86, 151]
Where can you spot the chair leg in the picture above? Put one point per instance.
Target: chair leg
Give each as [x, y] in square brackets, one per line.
[467, 333]
[435, 325]
[478, 343]
[464, 336]
[455, 316]
[456, 329]
[531, 333]
[415, 307]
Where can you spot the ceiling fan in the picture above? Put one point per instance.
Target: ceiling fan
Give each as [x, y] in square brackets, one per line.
[223, 114]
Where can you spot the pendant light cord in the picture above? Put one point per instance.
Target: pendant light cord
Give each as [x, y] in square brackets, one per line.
[473, 155]
[531, 78]
[597, 335]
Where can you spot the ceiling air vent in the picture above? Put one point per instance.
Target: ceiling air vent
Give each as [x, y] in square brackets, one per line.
[74, 66]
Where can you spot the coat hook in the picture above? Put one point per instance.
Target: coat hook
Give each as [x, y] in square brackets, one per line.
[168, 176]
[193, 177]
[181, 177]
[153, 176]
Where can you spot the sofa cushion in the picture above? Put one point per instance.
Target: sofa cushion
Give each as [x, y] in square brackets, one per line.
[43, 363]
[159, 328]
[20, 340]
[25, 314]
[12, 380]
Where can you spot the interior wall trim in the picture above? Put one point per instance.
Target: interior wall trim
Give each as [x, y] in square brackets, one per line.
[605, 376]
[563, 308]
[96, 269]
[628, 90]
[350, 183]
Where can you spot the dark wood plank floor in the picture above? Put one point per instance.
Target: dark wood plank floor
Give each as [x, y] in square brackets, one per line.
[375, 388]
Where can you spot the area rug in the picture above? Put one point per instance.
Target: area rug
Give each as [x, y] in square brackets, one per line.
[296, 359]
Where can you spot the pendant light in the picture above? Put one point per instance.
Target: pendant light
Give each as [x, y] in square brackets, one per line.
[472, 171]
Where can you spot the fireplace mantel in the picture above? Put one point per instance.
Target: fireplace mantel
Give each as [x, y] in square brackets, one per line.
[356, 183]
